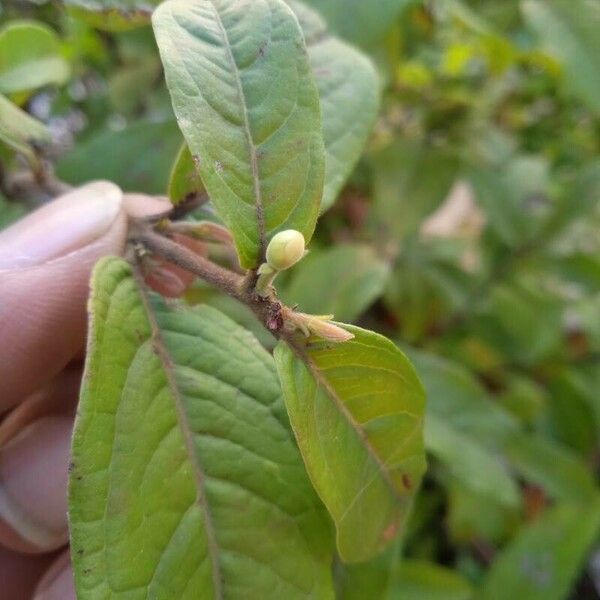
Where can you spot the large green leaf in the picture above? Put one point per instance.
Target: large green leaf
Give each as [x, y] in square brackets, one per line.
[185, 480]
[248, 107]
[569, 31]
[357, 411]
[137, 158]
[544, 559]
[19, 130]
[349, 93]
[343, 281]
[30, 57]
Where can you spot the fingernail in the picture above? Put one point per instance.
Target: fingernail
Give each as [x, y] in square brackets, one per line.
[33, 483]
[57, 583]
[61, 226]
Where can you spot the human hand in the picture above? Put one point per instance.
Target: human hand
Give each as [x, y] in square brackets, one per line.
[45, 264]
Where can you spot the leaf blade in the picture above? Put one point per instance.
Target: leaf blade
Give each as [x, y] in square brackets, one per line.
[244, 77]
[170, 475]
[359, 456]
[30, 57]
[543, 560]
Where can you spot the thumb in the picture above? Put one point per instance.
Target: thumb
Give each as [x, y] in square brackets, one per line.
[45, 262]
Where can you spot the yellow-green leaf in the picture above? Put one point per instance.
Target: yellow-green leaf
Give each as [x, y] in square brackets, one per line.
[30, 57]
[357, 411]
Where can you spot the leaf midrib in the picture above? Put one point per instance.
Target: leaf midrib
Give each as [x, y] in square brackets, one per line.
[260, 216]
[188, 436]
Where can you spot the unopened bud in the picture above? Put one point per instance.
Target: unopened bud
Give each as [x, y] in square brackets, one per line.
[328, 331]
[285, 249]
[318, 325]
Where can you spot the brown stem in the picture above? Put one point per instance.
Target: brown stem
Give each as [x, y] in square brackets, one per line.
[227, 281]
[268, 310]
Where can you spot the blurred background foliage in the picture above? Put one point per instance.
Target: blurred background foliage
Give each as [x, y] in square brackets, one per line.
[469, 232]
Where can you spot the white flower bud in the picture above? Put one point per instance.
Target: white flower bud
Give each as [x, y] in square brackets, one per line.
[285, 249]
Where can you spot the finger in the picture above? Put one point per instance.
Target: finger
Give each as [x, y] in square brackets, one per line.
[46, 259]
[33, 486]
[19, 574]
[25, 523]
[58, 397]
[45, 264]
[57, 583]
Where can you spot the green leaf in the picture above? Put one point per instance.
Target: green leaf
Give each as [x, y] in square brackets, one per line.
[552, 466]
[248, 108]
[10, 212]
[472, 516]
[185, 480]
[510, 195]
[358, 21]
[30, 57]
[343, 281]
[421, 580]
[184, 179]
[569, 31]
[544, 559]
[457, 399]
[19, 130]
[410, 181]
[470, 463]
[113, 15]
[137, 158]
[458, 402]
[525, 319]
[348, 87]
[357, 411]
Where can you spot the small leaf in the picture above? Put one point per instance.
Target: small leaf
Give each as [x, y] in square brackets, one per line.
[184, 180]
[569, 31]
[545, 558]
[113, 15]
[19, 130]
[30, 57]
[358, 21]
[552, 466]
[349, 91]
[342, 281]
[137, 158]
[421, 580]
[185, 480]
[410, 181]
[357, 410]
[248, 108]
[470, 463]
[10, 212]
